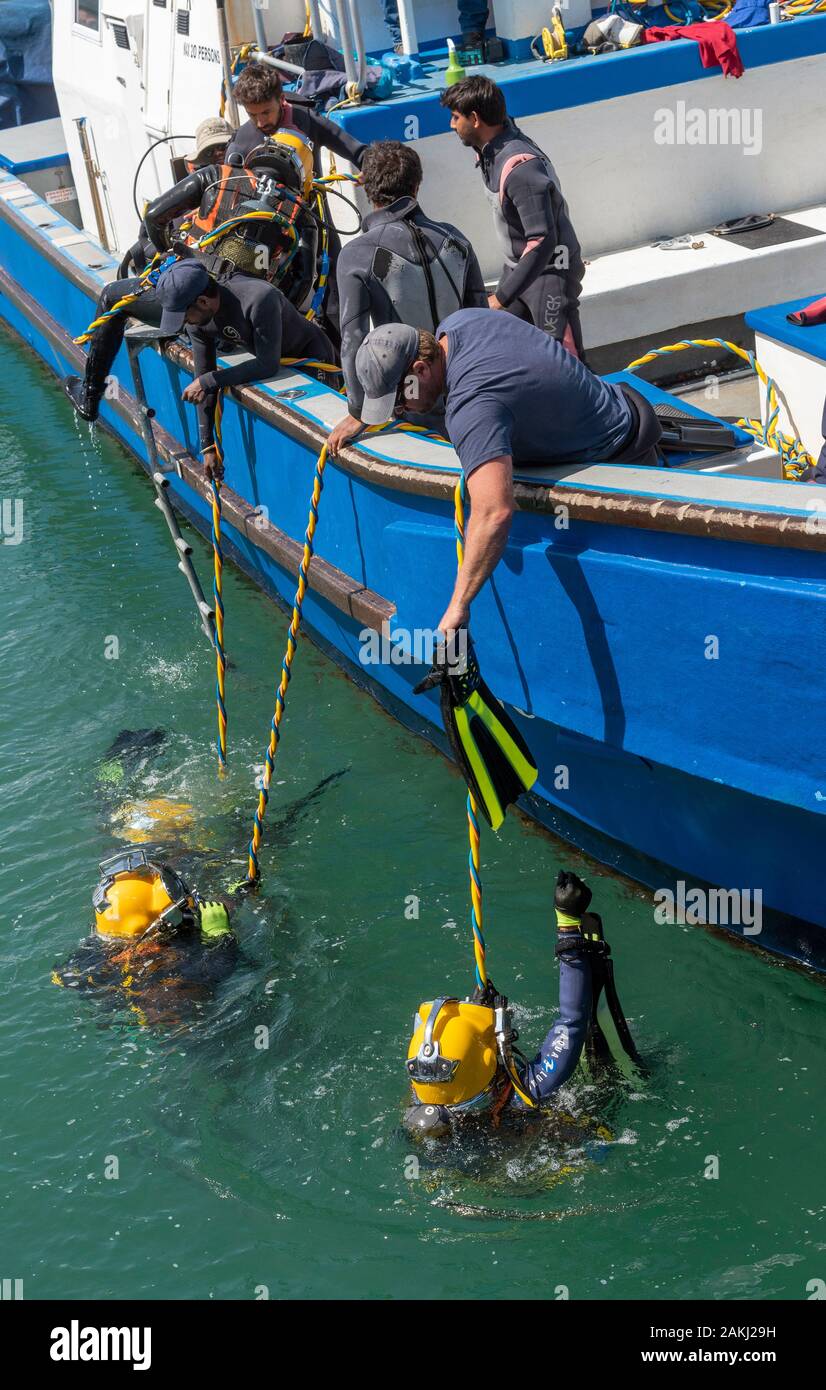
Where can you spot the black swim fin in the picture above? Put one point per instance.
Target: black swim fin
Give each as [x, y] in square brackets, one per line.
[495, 759]
[135, 743]
[606, 1001]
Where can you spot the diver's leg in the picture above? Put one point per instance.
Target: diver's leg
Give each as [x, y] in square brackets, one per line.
[519, 310]
[391, 19]
[105, 343]
[473, 17]
[549, 307]
[574, 329]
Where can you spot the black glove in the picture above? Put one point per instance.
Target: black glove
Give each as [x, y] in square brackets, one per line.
[572, 896]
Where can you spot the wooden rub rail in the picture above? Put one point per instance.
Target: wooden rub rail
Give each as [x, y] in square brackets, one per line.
[601, 506]
[345, 594]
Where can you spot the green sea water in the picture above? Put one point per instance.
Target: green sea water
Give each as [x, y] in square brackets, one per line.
[245, 1170]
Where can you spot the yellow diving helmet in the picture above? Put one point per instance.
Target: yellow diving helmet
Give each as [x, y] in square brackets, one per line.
[155, 819]
[302, 154]
[285, 157]
[135, 894]
[452, 1059]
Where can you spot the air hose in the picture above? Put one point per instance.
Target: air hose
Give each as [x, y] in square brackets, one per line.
[476, 906]
[218, 586]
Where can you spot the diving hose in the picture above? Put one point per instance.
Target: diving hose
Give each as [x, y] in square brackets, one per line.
[476, 907]
[218, 584]
[253, 865]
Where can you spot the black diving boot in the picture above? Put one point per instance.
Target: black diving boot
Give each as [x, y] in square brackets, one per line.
[85, 392]
[84, 399]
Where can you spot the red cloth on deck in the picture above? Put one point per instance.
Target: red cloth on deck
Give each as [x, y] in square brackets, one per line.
[813, 314]
[717, 40]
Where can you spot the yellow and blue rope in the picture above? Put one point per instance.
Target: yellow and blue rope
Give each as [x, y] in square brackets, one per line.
[253, 865]
[476, 909]
[149, 278]
[218, 591]
[796, 461]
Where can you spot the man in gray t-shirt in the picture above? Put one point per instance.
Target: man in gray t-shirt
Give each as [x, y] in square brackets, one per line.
[513, 395]
[514, 391]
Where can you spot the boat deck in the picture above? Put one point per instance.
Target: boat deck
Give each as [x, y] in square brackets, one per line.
[403, 459]
[532, 88]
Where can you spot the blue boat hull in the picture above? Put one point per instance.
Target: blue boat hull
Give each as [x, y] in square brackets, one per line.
[670, 686]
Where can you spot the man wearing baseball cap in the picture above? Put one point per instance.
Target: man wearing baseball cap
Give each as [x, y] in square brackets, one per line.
[511, 393]
[239, 313]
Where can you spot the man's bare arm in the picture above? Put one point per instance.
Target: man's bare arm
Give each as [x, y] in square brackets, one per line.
[490, 487]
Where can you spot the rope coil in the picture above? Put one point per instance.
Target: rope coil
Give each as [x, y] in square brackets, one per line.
[796, 461]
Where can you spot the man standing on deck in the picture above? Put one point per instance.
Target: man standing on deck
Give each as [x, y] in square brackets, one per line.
[259, 90]
[542, 277]
[473, 16]
[241, 312]
[511, 395]
[403, 268]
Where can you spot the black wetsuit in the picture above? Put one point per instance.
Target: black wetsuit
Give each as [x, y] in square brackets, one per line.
[542, 277]
[255, 316]
[323, 135]
[403, 268]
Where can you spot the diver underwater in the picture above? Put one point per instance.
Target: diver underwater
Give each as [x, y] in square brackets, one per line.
[155, 940]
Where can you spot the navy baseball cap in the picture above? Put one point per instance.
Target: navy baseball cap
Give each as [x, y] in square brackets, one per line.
[177, 288]
[382, 362]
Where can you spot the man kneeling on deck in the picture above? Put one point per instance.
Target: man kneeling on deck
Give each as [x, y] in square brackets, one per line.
[513, 395]
[240, 312]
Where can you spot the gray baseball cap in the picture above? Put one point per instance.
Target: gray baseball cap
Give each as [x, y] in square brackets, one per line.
[177, 288]
[382, 362]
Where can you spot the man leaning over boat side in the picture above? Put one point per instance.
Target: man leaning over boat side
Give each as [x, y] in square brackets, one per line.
[241, 312]
[259, 90]
[515, 394]
[541, 280]
[403, 268]
[222, 316]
